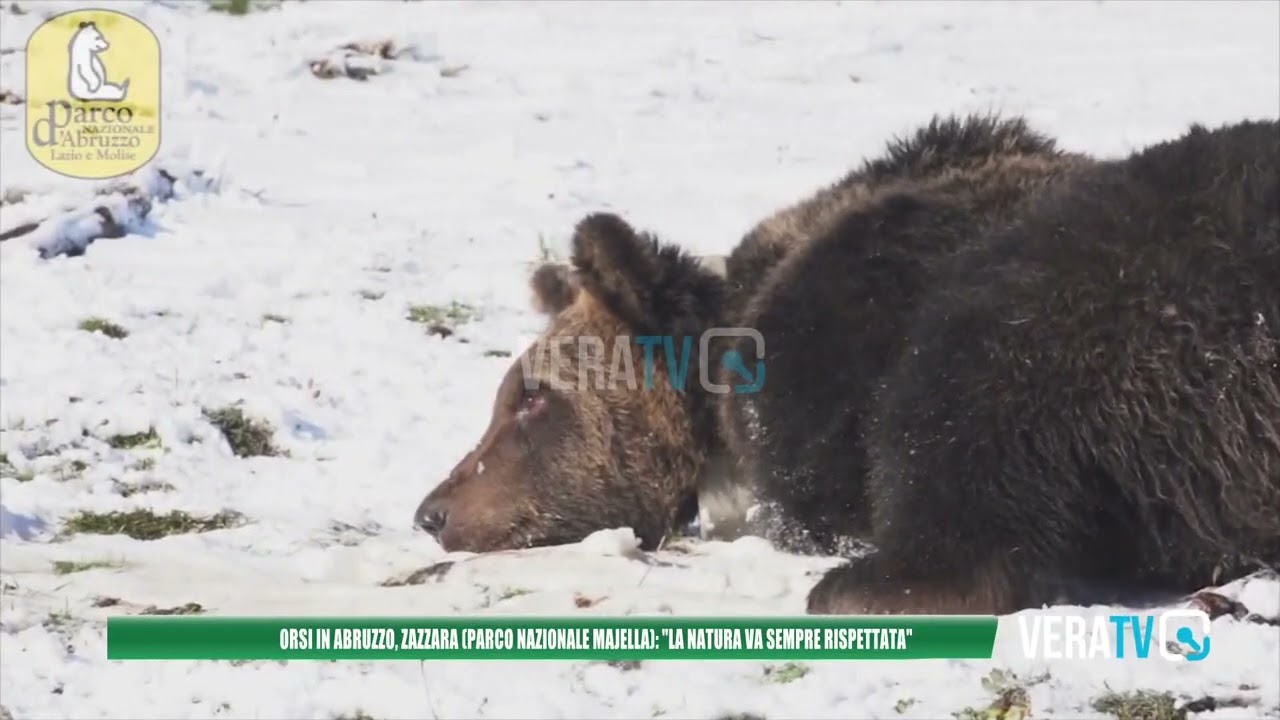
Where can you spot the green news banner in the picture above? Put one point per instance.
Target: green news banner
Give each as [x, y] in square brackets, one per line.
[549, 638]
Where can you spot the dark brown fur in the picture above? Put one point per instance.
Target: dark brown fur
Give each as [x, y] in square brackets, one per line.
[1021, 373]
[943, 147]
[1088, 398]
[835, 309]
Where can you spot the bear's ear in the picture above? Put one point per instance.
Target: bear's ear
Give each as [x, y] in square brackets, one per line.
[615, 265]
[655, 289]
[554, 288]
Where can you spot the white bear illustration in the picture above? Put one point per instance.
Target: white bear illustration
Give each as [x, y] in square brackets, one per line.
[88, 76]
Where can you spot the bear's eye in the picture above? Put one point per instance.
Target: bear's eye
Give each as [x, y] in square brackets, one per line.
[531, 405]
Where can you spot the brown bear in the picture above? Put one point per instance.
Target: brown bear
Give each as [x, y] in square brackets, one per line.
[563, 459]
[832, 285]
[1086, 400]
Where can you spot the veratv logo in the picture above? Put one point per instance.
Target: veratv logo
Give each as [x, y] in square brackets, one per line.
[1180, 636]
[580, 362]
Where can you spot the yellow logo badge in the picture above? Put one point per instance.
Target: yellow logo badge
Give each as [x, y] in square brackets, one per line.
[93, 94]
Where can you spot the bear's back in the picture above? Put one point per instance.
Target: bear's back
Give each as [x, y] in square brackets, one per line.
[1202, 208]
[950, 155]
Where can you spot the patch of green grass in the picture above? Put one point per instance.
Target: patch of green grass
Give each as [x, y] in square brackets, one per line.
[70, 470]
[145, 524]
[784, 674]
[432, 573]
[230, 7]
[59, 619]
[9, 471]
[497, 353]
[1011, 702]
[66, 567]
[451, 315]
[359, 715]
[623, 665]
[144, 487]
[372, 294]
[191, 608]
[145, 464]
[904, 704]
[1000, 680]
[6, 469]
[513, 592]
[1140, 705]
[274, 318]
[247, 437]
[741, 716]
[148, 439]
[104, 326]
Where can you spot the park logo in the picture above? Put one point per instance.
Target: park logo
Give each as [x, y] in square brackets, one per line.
[93, 94]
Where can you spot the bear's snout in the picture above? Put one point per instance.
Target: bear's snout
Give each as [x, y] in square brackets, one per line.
[462, 512]
[431, 516]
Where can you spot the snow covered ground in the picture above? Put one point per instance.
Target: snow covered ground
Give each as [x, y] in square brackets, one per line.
[310, 214]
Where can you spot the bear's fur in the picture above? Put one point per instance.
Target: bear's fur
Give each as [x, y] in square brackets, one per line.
[836, 281]
[1023, 375]
[943, 147]
[594, 458]
[1086, 399]
[571, 449]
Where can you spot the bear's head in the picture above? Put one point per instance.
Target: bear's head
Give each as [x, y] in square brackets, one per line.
[88, 37]
[583, 437]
